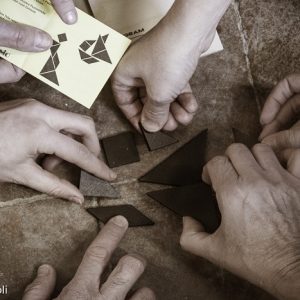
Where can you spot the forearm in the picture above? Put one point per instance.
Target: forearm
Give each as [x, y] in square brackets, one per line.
[195, 20]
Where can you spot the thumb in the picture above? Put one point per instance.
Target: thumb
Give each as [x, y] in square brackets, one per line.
[9, 73]
[155, 114]
[42, 286]
[194, 239]
[24, 38]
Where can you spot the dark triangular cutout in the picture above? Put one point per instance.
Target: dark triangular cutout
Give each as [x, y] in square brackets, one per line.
[84, 55]
[135, 217]
[49, 66]
[54, 49]
[91, 43]
[99, 46]
[91, 60]
[51, 76]
[244, 138]
[103, 55]
[92, 186]
[183, 167]
[157, 140]
[104, 38]
[196, 201]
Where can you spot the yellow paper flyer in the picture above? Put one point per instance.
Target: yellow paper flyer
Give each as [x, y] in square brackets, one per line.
[82, 58]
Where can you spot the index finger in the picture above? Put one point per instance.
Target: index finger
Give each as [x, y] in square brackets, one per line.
[66, 10]
[99, 252]
[279, 96]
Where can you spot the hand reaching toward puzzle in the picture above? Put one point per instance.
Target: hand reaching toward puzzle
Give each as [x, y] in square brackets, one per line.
[87, 283]
[29, 39]
[281, 126]
[259, 235]
[30, 129]
[282, 107]
[151, 84]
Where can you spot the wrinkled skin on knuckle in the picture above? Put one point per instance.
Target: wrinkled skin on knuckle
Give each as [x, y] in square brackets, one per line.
[98, 253]
[71, 292]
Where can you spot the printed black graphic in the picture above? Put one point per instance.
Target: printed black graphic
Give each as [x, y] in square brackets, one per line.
[98, 53]
[49, 70]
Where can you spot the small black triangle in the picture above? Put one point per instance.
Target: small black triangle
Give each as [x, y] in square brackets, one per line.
[183, 167]
[104, 38]
[196, 201]
[51, 76]
[84, 55]
[157, 140]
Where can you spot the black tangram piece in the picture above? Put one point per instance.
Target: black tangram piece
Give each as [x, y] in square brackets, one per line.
[244, 138]
[197, 201]
[49, 69]
[183, 167]
[98, 53]
[135, 217]
[157, 140]
[120, 149]
[92, 186]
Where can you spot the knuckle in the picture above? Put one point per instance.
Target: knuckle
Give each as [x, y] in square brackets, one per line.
[236, 148]
[98, 253]
[20, 38]
[217, 160]
[83, 152]
[259, 148]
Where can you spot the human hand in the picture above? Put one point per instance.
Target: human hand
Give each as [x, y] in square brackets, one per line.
[87, 283]
[259, 234]
[151, 83]
[30, 129]
[29, 39]
[282, 107]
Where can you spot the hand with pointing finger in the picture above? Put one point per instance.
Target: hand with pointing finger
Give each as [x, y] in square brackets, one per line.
[29, 39]
[87, 283]
[30, 129]
[259, 234]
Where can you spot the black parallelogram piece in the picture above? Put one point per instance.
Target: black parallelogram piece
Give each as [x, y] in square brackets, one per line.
[92, 186]
[120, 149]
[157, 140]
[183, 167]
[196, 201]
[244, 138]
[135, 217]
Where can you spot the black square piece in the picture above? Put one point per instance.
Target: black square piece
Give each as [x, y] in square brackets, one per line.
[62, 37]
[135, 217]
[120, 149]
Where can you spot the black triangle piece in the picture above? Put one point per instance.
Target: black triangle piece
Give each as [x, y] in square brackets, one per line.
[135, 217]
[84, 55]
[196, 201]
[92, 186]
[91, 43]
[49, 66]
[103, 55]
[183, 167]
[157, 140]
[99, 46]
[51, 76]
[54, 49]
[244, 138]
[104, 38]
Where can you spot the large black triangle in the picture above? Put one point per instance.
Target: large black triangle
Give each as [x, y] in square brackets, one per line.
[183, 167]
[196, 201]
[157, 140]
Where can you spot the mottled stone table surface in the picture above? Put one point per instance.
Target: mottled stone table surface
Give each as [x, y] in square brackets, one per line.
[262, 44]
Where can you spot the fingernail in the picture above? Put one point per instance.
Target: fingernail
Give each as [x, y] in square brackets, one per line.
[113, 175]
[43, 41]
[120, 221]
[70, 17]
[77, 200]
[44, 270]
[151, 126]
